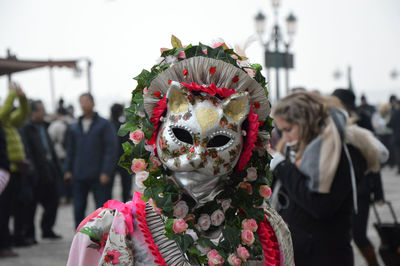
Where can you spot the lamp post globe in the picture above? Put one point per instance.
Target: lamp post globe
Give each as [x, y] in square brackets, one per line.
[260, 23]
[291, 23]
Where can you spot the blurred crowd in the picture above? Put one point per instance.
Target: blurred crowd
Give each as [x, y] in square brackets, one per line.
[53, 159]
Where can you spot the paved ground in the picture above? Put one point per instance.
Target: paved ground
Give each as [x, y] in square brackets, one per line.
[54, 253]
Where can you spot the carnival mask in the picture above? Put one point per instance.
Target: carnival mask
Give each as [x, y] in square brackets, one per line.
[200, 140]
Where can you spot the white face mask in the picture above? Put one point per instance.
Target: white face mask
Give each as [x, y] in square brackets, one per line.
[292, 143]
[200, 140]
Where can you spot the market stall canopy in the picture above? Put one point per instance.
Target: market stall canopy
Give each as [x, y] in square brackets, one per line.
[12, 65]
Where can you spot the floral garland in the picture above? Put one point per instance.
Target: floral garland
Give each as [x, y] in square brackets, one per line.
[238, 209]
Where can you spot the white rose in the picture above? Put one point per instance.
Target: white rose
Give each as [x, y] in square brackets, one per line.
[181, 209]
[203, 250]
[217, 217]
[204, 222]
[226, 204]
[192, 233]
[171, 59]
[140, 177]
[251, 174]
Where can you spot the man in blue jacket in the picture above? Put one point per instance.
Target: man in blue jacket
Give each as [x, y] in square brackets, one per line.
[91, 157]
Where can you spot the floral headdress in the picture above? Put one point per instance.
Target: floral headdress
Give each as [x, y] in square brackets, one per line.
[220, 72]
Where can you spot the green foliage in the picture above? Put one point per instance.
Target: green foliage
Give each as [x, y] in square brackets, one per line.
[231, 238]
[194, 51]
[183, 240]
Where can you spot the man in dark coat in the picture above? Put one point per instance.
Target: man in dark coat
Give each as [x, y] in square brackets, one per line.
[46, 172]
[91, 157]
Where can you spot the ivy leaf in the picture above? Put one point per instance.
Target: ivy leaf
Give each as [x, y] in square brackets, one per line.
[219, 53]
[139, 151]
[255, 213]
[147, 124]
[168, 228]
[184, 241]
[178, 51]
[127, 147]
[231, 238]
[194, 51]
[205, 242]
[126, 128]
[176, 43]
[194, 251]
[126, 161]
[142, 80]
[138, 98]
[165, 202]
[130, 112]
[152, 192]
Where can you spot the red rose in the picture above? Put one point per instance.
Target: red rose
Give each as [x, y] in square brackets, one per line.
[157, 94]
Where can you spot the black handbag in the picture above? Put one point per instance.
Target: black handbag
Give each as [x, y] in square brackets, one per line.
[389, 234]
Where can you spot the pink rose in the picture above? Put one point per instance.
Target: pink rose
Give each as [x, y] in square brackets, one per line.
[145, 91]
[219, 43]
[181, 209]
[150, 148]
[217, 217]
[234, 260]
[250, 72]
[182, 55]
[179, 226]
[250, 224]
[140, 177]
[243, 253]
[136, 136]
[247, 237]
[204, 222]
[214, 259]
[138, 165]
[246, 186]
[251, 174]
[265, 191]
[155, 163]
[193, 234]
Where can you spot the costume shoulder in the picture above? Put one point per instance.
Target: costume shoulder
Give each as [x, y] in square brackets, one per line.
[104, 237]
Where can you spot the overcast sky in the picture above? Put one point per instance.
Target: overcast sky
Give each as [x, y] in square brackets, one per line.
[122, 37]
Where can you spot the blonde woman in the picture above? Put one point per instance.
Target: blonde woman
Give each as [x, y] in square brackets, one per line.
[319, 177]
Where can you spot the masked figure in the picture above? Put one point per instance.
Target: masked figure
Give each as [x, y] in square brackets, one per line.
[199, 124]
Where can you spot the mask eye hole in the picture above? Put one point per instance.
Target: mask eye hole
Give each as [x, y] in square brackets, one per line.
[183, 135]
[218, 141]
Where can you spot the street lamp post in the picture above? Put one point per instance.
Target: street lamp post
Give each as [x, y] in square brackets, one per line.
[275, 58]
